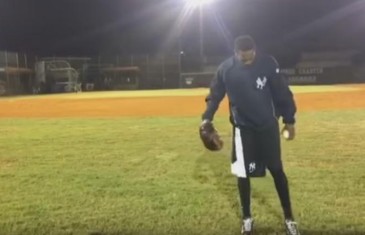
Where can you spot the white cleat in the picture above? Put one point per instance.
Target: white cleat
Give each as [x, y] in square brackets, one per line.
[247, 227]
[291, 227]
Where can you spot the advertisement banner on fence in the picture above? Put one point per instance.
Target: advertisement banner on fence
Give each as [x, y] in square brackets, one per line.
[318, 75]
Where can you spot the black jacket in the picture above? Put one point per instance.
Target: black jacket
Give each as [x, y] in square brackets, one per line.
[257, 93]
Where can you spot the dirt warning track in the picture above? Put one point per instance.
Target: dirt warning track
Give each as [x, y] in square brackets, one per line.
[158, 106]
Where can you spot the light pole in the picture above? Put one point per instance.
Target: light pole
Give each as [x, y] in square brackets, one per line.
[201, 34]
[195, 4]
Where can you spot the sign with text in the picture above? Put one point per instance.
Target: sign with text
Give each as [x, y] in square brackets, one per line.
[318, 75]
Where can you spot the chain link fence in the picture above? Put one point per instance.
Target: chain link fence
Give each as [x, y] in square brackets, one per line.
[18, 73]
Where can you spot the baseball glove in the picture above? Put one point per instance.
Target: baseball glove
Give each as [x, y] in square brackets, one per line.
[210, 137]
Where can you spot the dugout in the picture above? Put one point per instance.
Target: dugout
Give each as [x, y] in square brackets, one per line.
[15, 80]
[15, 75]
[121, 78]
[92, 76]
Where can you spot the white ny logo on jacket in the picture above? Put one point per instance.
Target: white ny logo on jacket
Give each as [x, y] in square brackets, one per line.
[260, 83]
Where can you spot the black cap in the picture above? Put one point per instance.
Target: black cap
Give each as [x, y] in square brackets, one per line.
[244, 43]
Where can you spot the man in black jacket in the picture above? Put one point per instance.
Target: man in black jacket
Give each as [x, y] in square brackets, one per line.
[257, 96]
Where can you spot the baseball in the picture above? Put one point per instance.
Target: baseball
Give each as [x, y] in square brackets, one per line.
[286, 134]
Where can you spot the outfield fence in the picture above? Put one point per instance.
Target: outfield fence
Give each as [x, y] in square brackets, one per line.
[20, 73]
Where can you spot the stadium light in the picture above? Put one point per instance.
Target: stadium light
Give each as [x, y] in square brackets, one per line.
[198, 3]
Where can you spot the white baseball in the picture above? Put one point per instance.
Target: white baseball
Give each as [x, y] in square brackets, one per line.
[286, 134]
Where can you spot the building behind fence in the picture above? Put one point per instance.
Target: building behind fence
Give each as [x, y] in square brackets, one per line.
[24, 74]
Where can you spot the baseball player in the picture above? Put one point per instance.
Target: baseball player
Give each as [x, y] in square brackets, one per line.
[257, 96]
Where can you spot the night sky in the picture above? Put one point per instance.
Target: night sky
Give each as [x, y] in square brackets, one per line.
[90, 27]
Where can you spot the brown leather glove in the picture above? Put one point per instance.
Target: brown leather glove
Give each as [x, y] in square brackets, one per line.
[210, 137]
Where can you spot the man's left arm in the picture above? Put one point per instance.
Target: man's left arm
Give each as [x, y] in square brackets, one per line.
[283, 98]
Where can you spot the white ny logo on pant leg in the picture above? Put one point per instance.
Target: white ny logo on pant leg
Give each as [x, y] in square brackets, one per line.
[252, 167]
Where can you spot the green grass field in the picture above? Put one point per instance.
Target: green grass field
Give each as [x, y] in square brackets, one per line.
[152, 176]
